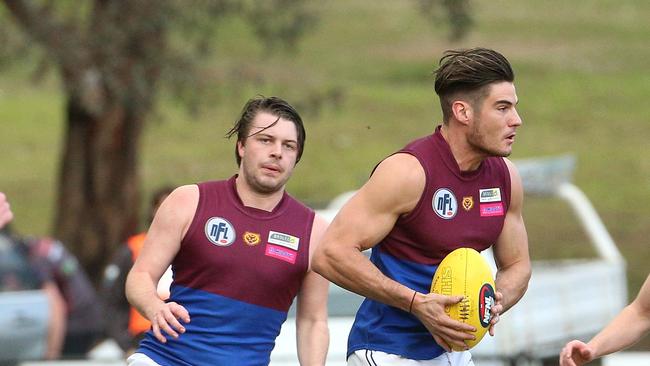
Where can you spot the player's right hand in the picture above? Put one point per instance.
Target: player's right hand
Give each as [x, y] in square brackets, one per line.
[430, 309]
[495, 311]
[576, 353]
[165, 317]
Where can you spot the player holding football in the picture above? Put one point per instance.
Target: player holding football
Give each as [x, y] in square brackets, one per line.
[451, 189]
[625, 330]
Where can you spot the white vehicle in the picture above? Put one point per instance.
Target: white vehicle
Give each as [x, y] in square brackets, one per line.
[566, 299]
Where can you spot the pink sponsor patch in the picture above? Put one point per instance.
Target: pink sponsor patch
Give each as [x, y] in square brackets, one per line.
[281, 253]
[491, 209]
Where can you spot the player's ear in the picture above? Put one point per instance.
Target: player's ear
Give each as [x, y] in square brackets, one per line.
[240, 148]
[462, 111]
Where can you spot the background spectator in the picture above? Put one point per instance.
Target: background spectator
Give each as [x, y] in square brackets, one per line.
[17, 273]
[84, 325]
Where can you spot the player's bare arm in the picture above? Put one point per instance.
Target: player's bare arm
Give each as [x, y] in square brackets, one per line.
[625, 330]
[311, 316]
[628, 327]
[394, 189]
[162, 242]
[511, 252]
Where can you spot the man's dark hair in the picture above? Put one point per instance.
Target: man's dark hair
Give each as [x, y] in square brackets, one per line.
[272, 105]
[468, 72]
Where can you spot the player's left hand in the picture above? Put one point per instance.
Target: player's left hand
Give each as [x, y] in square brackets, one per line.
[496, 310]
[576, 353]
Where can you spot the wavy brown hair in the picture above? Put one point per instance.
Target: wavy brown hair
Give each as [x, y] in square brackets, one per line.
[272, 105]
[467, 73]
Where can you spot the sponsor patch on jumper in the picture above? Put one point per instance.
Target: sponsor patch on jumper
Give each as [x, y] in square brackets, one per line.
[489, 195]
[285, 240]
[251, 238]
[492, 209]
[219, 231]
[281, 253]
[468, 203]
[444, 203]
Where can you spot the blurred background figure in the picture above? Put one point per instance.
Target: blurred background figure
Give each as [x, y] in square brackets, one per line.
[18, 274]
[84, 314]
[127, 326]
[69, 290]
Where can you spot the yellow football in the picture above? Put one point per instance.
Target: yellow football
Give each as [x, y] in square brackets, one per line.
[464, 272]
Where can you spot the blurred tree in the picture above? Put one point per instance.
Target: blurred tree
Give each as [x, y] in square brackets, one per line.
[456, 13]
[112, 56]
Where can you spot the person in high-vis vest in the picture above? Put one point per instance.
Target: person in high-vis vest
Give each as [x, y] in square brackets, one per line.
[127, 326]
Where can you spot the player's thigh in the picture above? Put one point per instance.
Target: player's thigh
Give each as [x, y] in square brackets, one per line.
[140, 359]
[377, 358]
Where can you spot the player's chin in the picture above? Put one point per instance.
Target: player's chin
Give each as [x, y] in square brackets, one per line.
[271, 184]
[504, 152]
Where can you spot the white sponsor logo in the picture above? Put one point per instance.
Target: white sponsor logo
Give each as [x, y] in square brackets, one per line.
[489, 195]
[285, 240]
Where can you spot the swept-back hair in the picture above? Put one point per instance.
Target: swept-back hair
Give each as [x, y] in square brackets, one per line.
[467, 73]
[275, 106]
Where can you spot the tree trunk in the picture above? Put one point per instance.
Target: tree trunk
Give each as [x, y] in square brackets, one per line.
[98, 184]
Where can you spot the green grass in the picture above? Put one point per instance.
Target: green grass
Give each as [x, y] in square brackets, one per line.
[582, 81]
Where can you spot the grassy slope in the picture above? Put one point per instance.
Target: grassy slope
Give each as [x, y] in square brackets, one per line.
[581, 76]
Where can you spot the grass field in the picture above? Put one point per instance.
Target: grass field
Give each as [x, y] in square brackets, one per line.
[362, 79]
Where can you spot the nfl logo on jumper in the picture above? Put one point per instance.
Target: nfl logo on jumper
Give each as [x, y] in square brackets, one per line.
[444, 203]
[219, 231]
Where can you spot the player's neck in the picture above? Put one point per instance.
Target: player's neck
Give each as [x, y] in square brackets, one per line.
[467, 158]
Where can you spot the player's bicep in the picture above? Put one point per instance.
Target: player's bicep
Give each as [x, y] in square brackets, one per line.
[316, 237]
[393, 190]
[166, 231]
[512, 244]
[361, 223]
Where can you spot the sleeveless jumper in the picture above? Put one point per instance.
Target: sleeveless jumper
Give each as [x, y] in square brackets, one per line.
[456, 209]
[237, 273]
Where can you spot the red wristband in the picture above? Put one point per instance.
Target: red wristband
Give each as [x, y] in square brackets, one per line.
[413, 298]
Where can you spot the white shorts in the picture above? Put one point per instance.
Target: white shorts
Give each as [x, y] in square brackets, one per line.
[377, 358]
[140, 359]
